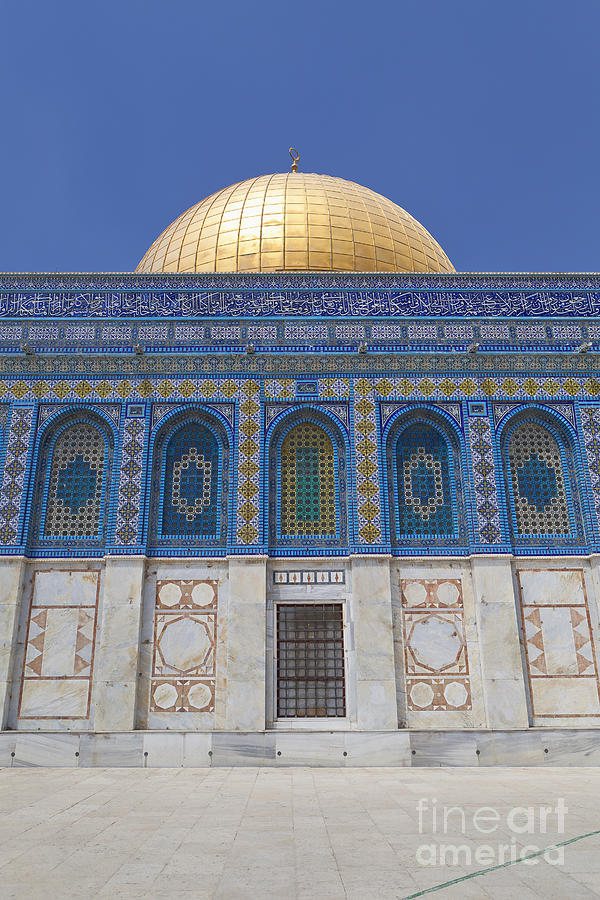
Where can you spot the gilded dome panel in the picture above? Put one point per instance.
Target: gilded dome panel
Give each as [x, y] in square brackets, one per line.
[295, 222]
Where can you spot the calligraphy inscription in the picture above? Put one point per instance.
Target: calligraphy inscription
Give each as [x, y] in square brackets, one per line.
[268, 304]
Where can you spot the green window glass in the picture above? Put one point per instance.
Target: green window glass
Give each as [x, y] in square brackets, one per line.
[308, 482]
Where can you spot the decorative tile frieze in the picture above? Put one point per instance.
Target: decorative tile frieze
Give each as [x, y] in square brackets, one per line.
[11, 334]
[262, 332]
[306, 333]
[32, 285]
[309, 576]
[224, 362]
[566, 333]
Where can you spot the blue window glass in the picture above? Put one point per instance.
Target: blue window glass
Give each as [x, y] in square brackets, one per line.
[424, 487]
[191, 484]
[537, 481]
[74, 491]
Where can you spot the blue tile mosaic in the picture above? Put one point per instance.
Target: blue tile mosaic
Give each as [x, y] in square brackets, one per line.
[422, 432]
[543, 473]
[73, 480]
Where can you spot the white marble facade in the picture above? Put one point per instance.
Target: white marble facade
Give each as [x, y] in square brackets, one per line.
[190, 646]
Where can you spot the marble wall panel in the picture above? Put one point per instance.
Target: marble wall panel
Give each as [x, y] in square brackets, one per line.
[447, 747]
[558, 638]
[59, 654]
[436, 660]
[503, 680]
[552, 586]
[11, 591]
[62, 588]
[183, 672]
[118, 645]
[373, 658]
[246, 645]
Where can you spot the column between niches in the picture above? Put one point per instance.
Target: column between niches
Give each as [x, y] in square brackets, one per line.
[246, 644]
[374, 643]
[595, 600]
[503, 676]
[12, 570]
[118, 644]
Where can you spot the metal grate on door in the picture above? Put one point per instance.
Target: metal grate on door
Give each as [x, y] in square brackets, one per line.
[310, 660]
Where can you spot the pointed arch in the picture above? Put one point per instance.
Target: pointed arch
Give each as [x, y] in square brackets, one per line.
[307, 481]
[425, 481]
[190, 482]
[540, 480]
[72, 484]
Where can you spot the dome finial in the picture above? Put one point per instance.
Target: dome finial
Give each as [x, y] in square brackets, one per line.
[295, 158]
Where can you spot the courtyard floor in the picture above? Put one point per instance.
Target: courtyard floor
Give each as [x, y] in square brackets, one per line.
[307, 833]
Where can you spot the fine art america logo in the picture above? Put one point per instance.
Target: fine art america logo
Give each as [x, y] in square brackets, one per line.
[486, 837]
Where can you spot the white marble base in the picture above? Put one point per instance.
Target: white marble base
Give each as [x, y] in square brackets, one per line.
[527, 747]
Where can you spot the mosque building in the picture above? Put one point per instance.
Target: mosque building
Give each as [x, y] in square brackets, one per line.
[296, 491]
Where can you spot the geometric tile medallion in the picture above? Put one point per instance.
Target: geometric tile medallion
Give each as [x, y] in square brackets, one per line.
[559, 644]
[435, 648]
[59, 654]
[185, 640]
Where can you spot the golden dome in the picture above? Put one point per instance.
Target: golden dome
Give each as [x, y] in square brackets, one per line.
[295, 222]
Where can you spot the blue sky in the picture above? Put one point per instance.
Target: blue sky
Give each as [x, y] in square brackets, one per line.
[480, 118]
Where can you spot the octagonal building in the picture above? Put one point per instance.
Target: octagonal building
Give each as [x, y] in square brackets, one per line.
[297, 492]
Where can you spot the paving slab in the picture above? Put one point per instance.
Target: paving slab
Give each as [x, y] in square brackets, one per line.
[280, 833]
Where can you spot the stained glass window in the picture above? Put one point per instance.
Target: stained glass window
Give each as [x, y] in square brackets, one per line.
[308, 504]
[424, 487]
[538, 484]
[190, 504]
[74, 504]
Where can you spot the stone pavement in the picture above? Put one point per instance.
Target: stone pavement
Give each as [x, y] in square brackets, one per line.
[284, 833]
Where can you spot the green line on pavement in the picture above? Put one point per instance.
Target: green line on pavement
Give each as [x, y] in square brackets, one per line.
[512, 862]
